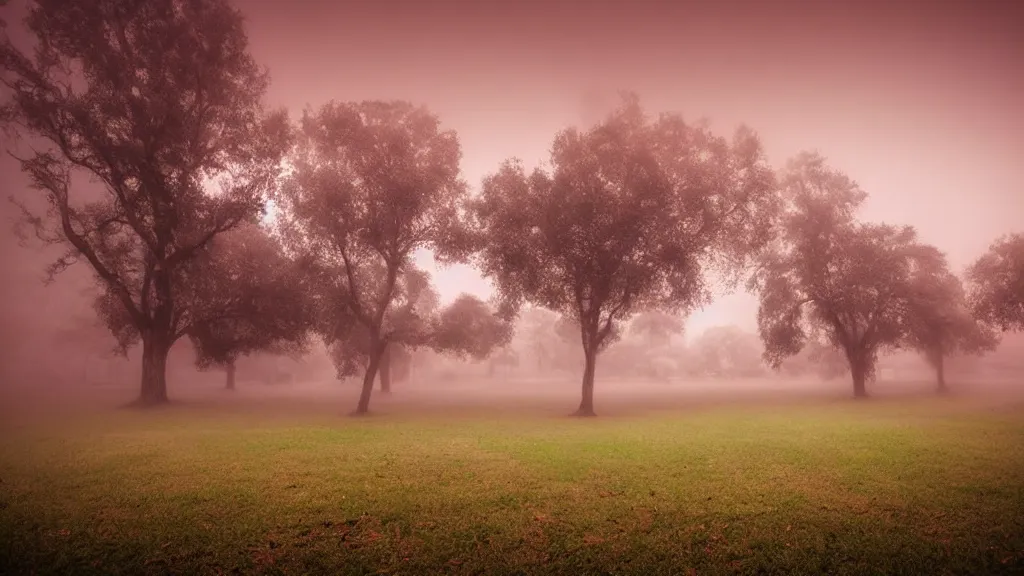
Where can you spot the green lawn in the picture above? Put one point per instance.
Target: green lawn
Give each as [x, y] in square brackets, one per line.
[883, 487]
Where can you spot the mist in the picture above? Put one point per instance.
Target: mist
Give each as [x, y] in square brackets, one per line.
[775, 248]
[885, 103]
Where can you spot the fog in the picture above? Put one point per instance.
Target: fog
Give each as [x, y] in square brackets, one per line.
[918, 102]
[74, 378]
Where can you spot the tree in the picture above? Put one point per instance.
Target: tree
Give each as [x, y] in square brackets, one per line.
[729, 351]
[469, 328]
[157, 102]
[828, 277]
[537, 327]
[997, 284]
[245, 296]
[939, 322]
[82, 338]
[372, 183]
[409, 319]
[414, 306]
[656, 327]
[630, 217]
[828, 362]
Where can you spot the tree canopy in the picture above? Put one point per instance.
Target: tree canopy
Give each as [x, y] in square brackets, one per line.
[656, 327]
[246, 296]
[997, 284]
[159, 103]
[631, 216]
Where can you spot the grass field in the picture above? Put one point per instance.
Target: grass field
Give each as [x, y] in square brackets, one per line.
[911, 486]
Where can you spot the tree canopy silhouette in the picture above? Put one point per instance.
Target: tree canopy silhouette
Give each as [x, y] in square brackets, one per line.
[631, 216]
[159, 102]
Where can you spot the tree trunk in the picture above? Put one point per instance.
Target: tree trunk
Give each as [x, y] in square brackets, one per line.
[376, 351]
[230, 370]
[385, 371]
[940, 372]
[859, 372]
[587, 403]
[155, 347]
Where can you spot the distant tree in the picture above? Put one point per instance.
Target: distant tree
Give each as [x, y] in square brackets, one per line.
[567, 329]
[630, 217]
[408, 320]
[997, 284]
[502, 360]
[245, 296]
[82, 337]
[826, 361]
[828, 277]
[729, 351]
[372, 183]
[467, 328]
[154, 101]
[538, 328]
[399, 366]
[656, 327]
[939, 323]
[412, 322]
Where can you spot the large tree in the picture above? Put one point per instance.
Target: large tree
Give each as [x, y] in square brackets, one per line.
[245, 296]
[372, 183]
[631, 216]
[831, 278]
[158, 103]
[997, 284]
[939, 322]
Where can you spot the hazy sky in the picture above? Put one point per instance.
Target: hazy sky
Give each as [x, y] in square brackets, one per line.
[919, 101]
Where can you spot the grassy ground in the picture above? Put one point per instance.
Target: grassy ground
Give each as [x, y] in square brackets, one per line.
[883, 486]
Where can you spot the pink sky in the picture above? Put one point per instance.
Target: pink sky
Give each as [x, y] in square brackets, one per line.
[919, 101]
